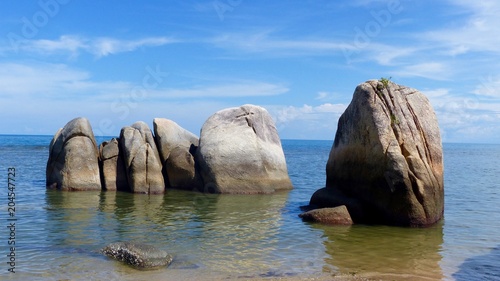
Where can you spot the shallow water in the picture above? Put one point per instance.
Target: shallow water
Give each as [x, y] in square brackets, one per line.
[59, 234]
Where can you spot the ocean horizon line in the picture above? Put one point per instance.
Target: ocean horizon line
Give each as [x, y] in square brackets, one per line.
[283, 139]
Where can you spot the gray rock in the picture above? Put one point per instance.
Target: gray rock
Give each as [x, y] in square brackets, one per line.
[332, 197]
[140, 256]
[113, 173]
[240, 152]
[176, 147]
[336, 216]
[142, 161]
[387, 154]
[73, 162]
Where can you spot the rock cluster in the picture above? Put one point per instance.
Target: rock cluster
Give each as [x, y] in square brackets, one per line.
[386, 163]
[239, 151]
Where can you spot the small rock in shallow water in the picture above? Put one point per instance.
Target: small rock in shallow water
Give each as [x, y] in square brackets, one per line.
[338, 215]
[138, 255]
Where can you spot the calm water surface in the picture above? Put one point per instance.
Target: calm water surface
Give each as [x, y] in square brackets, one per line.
[59, 234]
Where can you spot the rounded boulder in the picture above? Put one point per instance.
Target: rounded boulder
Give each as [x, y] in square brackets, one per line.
[240, 153]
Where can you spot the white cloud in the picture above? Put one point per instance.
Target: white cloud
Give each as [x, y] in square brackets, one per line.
[53, 81]
[489, 87]
[325, 96]
[266, 42]
[388, 55]
[478, 32]
[65, 43]
[106, 46]
[429, 70]
[230, 90]
[307, 121]
[460, 115]
[38, 96]
[99, 47]
[287, 114]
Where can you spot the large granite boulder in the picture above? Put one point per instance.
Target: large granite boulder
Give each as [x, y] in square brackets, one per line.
[73, 162]
[113, 175]
[141, 159]
[240, 152]
[138, 255]
[177, 147]
[386, 158]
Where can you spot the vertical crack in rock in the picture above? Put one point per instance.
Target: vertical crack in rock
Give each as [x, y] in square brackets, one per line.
[428, 155]
[379, 94]
[250, 124]
[387, 98]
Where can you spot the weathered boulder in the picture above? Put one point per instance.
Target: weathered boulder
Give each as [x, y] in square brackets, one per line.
[138, 255]
[176, 147]
[337, 215]
[73, 158]
[113, 175]
[240, 152]
[141, 159]
[387, 155]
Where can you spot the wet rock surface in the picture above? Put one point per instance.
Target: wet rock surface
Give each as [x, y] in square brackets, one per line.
[138, 255]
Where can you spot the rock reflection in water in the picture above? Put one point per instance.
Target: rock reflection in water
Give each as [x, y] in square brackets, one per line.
[385, 253]
[71, 218]
[223, 234]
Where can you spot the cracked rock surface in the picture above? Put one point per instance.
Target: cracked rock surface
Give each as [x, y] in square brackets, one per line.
[113, 176]
[387, 156]
[240, 152]
[176, 147]
[141, 159]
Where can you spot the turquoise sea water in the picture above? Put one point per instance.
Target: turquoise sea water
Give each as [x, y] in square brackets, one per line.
[58, 234]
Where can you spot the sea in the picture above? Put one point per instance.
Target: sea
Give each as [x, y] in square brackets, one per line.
[53, 235]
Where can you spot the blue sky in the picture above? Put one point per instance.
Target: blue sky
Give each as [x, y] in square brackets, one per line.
[117, 62]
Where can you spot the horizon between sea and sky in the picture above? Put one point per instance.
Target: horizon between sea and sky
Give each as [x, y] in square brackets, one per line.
[118, 62]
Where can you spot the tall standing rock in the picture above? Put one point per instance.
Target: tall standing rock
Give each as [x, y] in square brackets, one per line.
[387, 158]
[73, 158]
[240, 152]
[141, 159]
[176, 147]
[113, 173]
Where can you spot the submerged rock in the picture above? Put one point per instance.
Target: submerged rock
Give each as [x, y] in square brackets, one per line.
[240, 152]
[138, 255]
[141, 159]
[387, 155]
[176, 147]
[73, 162]
[337, 216]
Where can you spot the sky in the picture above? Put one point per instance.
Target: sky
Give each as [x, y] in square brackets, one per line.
[118, 62]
